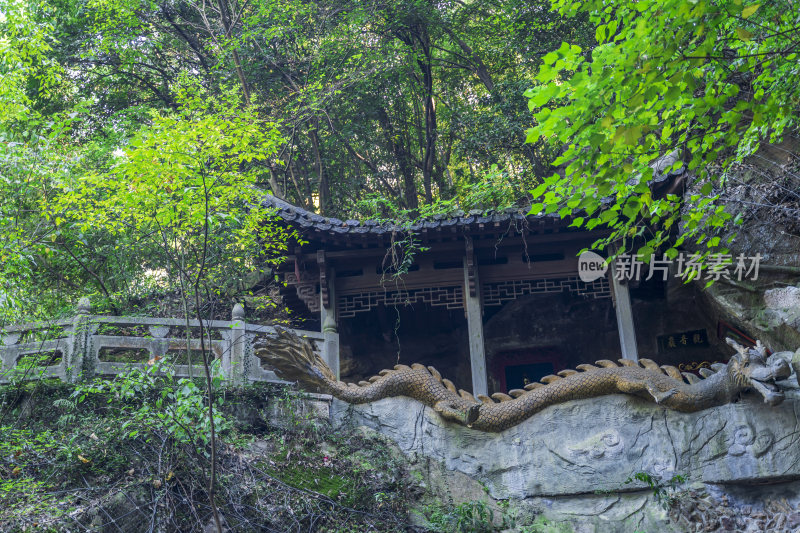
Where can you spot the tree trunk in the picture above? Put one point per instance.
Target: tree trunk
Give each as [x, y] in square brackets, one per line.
[480, 67]
[429, 107]
[223, 11]
[403, 160]
[323, 188]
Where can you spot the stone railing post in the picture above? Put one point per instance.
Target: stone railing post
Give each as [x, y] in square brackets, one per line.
[235, 369]
[330, 347]
[78, 364]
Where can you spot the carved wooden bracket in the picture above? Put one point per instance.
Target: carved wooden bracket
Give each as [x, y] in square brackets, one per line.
[306, 287]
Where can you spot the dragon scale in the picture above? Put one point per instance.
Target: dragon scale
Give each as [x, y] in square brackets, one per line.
[294, 359]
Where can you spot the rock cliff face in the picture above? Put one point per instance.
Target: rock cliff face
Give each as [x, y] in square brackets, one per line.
[769, 310]
[764, 192]
[572, 460]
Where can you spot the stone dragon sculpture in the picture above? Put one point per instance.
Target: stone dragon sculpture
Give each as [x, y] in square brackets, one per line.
[294, 359]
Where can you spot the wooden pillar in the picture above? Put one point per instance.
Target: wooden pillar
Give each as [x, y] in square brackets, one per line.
[622, 306]
[327, 310]
[474, 309]
[235, 365]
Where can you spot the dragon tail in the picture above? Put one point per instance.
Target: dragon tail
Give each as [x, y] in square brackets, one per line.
[293, 358]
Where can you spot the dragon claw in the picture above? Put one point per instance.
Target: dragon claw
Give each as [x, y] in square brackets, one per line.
[660, 396]
[466, 417]
[471, 414]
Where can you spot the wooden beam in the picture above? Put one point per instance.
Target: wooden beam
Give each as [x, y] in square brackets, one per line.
[429, 276]
[474, 308]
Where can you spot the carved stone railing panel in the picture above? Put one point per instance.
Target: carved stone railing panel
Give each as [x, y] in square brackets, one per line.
[12, 355]
[80, 346]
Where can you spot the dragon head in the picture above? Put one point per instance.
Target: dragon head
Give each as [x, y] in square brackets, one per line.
[753, 368]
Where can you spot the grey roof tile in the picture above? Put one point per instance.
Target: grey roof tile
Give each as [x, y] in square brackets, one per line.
[306, 219]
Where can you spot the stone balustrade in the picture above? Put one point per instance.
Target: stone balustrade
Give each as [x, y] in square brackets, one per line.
[87, 345]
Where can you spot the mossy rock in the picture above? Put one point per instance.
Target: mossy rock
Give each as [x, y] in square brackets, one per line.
[316, 480]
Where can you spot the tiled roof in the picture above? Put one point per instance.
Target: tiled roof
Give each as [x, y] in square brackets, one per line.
[472, 220]
[475, 220]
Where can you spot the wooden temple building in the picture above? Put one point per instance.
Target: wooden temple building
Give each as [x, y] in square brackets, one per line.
[493, 300]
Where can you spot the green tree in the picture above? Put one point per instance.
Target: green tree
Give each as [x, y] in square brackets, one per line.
[184, 189]
[411, 99]
[711, 80]
[186, 185]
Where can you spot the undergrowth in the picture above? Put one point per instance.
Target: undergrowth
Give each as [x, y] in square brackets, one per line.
[130, 454]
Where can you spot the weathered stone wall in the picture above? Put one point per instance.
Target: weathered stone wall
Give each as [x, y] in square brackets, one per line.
[572, 460]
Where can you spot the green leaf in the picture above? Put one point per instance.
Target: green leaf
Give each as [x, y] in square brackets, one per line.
[577, 222]
[538, 191]
[749, 10]
[550, 58]
[600, 33]
[631, 209]
[646, 253]
[542, 95]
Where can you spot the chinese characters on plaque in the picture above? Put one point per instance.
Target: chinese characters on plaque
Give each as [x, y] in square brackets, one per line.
[696, 338]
